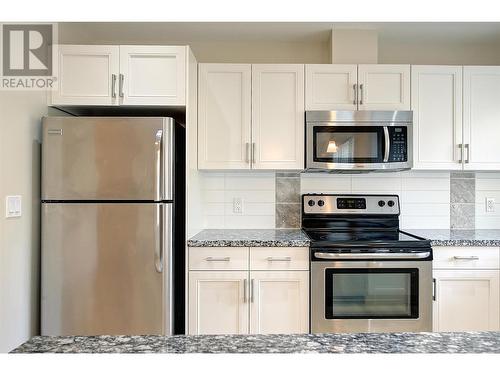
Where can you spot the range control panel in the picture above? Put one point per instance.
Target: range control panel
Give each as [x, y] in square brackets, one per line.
[350, 204]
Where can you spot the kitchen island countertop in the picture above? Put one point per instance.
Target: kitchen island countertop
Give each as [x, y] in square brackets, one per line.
[459, 342]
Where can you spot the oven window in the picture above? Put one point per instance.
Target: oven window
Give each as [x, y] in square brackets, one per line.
[348, 144]
[360, 293]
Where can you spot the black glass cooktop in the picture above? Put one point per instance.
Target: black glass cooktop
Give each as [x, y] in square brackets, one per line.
[365, 238]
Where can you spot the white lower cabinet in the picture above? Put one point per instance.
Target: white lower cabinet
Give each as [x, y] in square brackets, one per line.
[217, 302]
[467, 289]
[279, 302]
[258, 298]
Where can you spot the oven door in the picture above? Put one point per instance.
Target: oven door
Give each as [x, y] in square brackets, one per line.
[371, 296]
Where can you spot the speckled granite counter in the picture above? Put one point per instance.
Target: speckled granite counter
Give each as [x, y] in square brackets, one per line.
[445, 237]
[250, 238]
[468, 342]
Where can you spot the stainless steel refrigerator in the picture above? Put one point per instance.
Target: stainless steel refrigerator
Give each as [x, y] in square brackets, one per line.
[112, 226]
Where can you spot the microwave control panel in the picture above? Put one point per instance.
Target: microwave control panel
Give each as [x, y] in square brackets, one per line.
[398, 151]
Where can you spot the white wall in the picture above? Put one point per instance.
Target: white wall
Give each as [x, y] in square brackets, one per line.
[257, 189]
[20, 133]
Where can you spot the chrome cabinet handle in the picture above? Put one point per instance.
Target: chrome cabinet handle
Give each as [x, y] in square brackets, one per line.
[245, 290]
[120, 85]
[113, 85]
[468, 153]
[434, 289]
[253, 152]
[387, 144]
[251, 290]
[158, 142]
[321, 255]
[247, 152]
[213, 259]
[362, 94]
[55, 132]
[460, 147]
[354, 87]
[277, 259]
[472, 257]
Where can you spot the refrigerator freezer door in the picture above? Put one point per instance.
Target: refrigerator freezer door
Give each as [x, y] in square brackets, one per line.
[101, 271]
[107, 158]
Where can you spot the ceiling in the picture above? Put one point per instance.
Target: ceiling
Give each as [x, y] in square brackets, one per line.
[277, 31]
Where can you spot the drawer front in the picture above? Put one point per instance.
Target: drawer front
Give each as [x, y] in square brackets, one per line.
[466, 257]
[279, 258]
[218, 258]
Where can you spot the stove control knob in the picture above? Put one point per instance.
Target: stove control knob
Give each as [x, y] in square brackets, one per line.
[381, 203]
[390, 203]
[321, 203]
[311, 203]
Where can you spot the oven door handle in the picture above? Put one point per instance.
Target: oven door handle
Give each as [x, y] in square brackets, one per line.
[321, 255]
[387, 144]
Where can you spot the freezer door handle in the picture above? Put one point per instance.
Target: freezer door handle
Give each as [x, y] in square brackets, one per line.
[158, 166]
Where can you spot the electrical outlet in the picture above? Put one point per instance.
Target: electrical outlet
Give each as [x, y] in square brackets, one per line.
[237, 205]
[490, 204]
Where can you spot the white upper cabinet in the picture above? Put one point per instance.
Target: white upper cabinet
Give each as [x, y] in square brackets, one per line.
[224, 116]
[120, 75]
[331, 87]
[481, 117]
[384, 87]
[436, 101]
[153, 75]
[87, 75]
[278, 116]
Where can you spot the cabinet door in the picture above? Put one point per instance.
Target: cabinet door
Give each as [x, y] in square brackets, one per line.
[224, 116]
[278, 116]
[436, 101]
[384, 87]
[153, 75]
[481, 117]
[218, 302]
[331, 87]
[466, 300]
[86, 75]
[279, 302]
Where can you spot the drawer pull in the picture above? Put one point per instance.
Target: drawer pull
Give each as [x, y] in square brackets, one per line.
[212, 259]
[277, 259]
[472, 257]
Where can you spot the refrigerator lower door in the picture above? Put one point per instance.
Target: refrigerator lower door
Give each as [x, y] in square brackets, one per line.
[110, 158]
[106, 269]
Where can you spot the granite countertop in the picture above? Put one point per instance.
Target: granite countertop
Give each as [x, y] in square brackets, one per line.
[295, 237]
[250, 238]
[464, 342]
[447, 237]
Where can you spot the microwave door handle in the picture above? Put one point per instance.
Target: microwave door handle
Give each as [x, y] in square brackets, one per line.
[387, 144]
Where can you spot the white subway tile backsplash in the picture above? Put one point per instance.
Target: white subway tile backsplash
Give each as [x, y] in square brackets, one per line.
[392, 185]
[425, 183]
[487, 184]
[257, 191]
[324, 183]
[425, 209]
[425, 222]
[425, 196]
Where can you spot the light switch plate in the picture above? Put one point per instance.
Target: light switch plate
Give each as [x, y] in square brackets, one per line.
[13, 206]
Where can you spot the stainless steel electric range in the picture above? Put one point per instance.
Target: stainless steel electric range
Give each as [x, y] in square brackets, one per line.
[366, 274]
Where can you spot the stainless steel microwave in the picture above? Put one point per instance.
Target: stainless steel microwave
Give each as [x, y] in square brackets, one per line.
[359, 141]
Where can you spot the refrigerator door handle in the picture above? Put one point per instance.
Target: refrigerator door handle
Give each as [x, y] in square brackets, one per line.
[159, 175]
[166, 259]
[160, 238]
